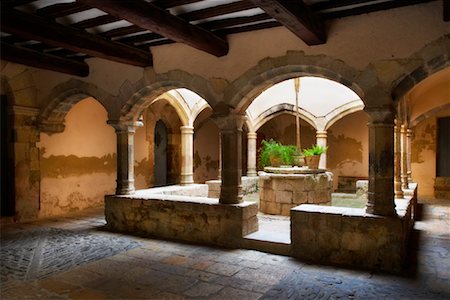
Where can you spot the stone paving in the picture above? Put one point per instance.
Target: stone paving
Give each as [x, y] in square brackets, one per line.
[82, 261]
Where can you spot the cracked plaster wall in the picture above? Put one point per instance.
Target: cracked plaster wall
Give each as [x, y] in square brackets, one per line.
[206, 152]
[78, 166]
[423, 155]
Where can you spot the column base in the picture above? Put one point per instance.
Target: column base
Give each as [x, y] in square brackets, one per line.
[231, 194]
[125, 187]
[187, 179]
[382, 210]
[252, 173]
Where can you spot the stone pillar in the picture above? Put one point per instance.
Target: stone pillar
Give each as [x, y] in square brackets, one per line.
[125, 155]
[404, 164]
[220, 156]
[187, 155]
[397, 161]
[251, 154]
[231, 157]
[409, 135]
[321, 140]
[381, 161]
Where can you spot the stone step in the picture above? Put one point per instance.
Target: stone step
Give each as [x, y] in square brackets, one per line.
[268, 241]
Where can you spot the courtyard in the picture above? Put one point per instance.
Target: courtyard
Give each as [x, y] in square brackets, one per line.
[73, 257]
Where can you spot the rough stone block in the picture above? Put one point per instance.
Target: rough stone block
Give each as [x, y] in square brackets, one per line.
[283, 197]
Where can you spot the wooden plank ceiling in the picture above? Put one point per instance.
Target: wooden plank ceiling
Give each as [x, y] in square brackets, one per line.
[59, 35]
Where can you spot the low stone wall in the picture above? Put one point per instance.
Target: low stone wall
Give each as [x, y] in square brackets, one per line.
[348, 184]
[249, 186]
[349, 236]
[442, 188]
[192, 190]
[281, 192]
[192, 219]
[362, 187]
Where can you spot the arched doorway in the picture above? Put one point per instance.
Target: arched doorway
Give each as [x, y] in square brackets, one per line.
[161, 141]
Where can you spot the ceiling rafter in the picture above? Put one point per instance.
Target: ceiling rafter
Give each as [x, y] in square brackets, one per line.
[297, 17]
[61, 9]
[217, 10]
[41, 60]
[172, 3]
[157, 20]
[97, 21]
[49, 32]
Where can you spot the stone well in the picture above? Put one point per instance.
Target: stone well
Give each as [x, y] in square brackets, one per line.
[284, 188]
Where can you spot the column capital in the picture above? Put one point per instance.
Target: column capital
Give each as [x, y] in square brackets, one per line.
[187, 129]
[252, 135]
[409, 132]
[229, 122]
[383, 115]
[129, 126]
[321, 134]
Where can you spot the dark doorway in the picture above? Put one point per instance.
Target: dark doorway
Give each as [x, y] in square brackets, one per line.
[443, 148]
[7, 173]
[160, 169]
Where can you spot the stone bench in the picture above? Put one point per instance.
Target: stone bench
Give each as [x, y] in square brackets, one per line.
[249, 186]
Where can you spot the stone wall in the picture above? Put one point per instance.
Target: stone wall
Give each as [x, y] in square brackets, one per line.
[281, 192]
[249, 186]
[192, 219]
[442, 188]
[349, 236]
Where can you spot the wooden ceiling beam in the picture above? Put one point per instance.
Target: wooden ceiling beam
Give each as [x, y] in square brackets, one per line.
[40, 60]
[364, 9]
[219, 24]
[97, 21]
[12, 3]
[37, 28]
[446, 9]
[172, 3]
[157, 20]
[297, 17]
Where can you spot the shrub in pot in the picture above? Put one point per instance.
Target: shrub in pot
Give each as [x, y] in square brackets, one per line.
[312, 156]
[275, 154]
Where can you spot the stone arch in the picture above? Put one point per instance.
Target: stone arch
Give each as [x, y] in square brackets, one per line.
[342, 111]
[423, 64]
[180, 107]
[5, 89]
[428, 114]
[136, 102]
[280, 109]
[271, 71]
[63, 97]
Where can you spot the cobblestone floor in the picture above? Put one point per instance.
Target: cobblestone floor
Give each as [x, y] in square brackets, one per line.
[73, 258]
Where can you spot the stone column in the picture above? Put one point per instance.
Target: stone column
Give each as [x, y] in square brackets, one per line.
[404, 163]
[381, 161]
[220, 156]
[397, 161]
[125, 155]
[231, 157]
[187, 155]
[409, 135]
[251, 154]
[321, 140]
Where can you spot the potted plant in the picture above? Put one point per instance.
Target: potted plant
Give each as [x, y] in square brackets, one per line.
[275, 154]
[312, 156]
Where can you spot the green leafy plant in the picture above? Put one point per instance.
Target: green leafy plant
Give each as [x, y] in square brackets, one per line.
[272, 149]
[314, 150]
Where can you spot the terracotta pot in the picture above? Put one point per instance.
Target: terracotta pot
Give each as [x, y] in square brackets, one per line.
[298, 160]
[312, 161]
[275, 161]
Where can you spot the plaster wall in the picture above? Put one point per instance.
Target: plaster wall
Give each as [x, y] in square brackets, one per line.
[348, 142]
[423, 155]
[354, 40]
[282, 129]
[144, 145]
[78, 165]
[206, 152]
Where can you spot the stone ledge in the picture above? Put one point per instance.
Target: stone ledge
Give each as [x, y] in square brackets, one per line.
[249, 185]
[193, 219]
[193, 190]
